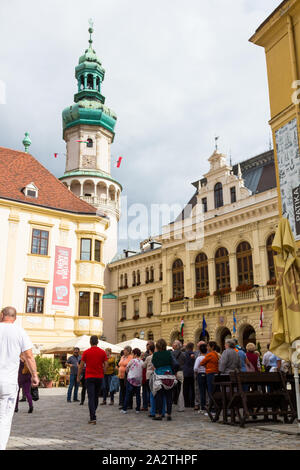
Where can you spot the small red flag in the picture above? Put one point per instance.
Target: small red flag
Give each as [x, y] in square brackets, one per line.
[119, 162]
[55, 155]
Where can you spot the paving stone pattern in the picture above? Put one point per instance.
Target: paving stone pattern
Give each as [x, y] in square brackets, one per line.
[58, 425]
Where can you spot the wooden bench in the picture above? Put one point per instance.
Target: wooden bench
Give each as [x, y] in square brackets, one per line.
[240, 395]
[259, 394]
[220, 398]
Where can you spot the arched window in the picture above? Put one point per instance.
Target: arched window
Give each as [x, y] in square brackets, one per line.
[138, 277]
[201, 271]
[178, 279]
[90, 81]
[133, 278]
[125, 281]
[147, 275]
[218, 195]
[151, 274]
[81, 82]
[270, 254]
[136, 335]
[89, 142]
[124, 338]
[222, 269]
[244, 264]
[121, 280]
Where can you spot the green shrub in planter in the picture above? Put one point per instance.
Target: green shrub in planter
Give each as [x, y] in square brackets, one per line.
[48, 368]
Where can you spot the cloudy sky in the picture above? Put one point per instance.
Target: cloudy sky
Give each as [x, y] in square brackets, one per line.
[177, 74]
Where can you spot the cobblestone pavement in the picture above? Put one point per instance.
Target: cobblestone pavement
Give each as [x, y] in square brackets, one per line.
[56, 424]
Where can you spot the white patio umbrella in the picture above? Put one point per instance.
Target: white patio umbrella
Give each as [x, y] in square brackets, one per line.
[81, 342]
[136, 343]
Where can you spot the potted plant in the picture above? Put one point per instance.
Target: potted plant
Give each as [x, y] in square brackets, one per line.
[201, 295]
[176, 299]
[244, 287]
[136, 316]
[222, 291]
[271, 282]
[48, 370]
[149, 314]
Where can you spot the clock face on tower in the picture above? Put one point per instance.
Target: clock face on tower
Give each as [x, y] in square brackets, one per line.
[88, 161]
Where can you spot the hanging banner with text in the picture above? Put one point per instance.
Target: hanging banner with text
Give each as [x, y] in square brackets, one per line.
[288, 157]
[62, 275]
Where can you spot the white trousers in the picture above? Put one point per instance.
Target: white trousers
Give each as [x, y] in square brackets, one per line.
[180, 402]
[8, 396]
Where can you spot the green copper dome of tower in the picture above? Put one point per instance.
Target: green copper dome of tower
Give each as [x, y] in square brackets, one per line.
[89, 107]
[88, 130]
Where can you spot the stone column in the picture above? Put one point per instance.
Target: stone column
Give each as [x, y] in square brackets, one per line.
[85, 81]
[256, 258]
[233, 271]
[212, 276]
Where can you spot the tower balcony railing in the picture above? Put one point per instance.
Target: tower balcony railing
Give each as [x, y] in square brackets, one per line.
[101, 202]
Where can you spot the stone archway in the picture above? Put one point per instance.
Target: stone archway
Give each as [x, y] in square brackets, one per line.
[223, 333]
[175, 335]
[247, 335]
[199, 336]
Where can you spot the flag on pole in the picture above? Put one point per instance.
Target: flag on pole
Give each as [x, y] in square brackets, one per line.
[261, 317]
[204, 325]
[181, 327]
[234, 322]
[119, 162]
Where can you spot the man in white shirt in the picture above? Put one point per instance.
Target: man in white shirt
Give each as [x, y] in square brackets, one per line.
[13, 341]
[266, 359]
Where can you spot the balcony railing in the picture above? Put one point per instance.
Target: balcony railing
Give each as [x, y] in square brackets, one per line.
[101, 201]
[263, 293]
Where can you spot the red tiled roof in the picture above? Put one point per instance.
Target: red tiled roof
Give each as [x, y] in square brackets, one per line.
[18, 169]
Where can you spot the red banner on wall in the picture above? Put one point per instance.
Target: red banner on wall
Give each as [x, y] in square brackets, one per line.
[62, 275]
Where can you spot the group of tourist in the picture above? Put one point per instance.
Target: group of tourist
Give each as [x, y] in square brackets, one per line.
[160, 377]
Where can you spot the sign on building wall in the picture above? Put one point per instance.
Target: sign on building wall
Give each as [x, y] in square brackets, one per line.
[288, 156]
[62, 274]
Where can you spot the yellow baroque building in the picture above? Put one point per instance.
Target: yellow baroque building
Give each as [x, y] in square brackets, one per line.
[52, 252]
[226, 283]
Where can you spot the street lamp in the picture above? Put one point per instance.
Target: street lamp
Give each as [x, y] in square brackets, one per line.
[256, 290]
[186, 303]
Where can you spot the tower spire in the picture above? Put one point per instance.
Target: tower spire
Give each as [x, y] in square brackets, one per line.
[91, 30]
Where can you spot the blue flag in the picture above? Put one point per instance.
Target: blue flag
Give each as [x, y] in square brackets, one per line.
[234, 322]
[204, 325]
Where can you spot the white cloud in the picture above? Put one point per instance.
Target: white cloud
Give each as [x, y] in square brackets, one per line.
[176, 74]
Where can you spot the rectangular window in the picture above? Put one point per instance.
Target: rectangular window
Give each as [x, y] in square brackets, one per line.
[124, 311]
[97, 250]
[85, 249]
[149, 306]
[96, 306]
[84, 304]
[39, 245]
[204, 204]
[35, 300]
[233, 194]
[136, 307]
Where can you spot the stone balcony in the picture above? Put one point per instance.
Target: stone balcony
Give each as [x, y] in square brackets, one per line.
[102, 203]
[212, 301]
